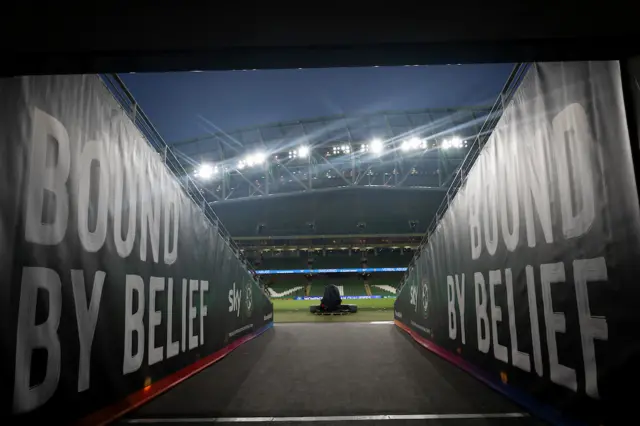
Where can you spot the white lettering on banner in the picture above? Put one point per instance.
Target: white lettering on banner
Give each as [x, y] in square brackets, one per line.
[556, 323]
[173, 348]
[451, 308]
[512, 190]
[572, 139]
[489, 213]
[482, 320]
[204, 287]
[149, 223]
[133, 322]
[31, 336]
[193, 311]
[156, 353]
[123, 247]
[87, 319]
[460, 297]
[106, 182]
[92, 241]
[47, 196]
[171, 210]
[474, 218]
[591, 327]
[533, 318]
[508, 198]
[44, 178]
[567, 143]
[235, 298]
[185, 283]
[536, 186]
[519, 359]
[414, 297]
[585, 271]
[455, 291]
[499, 351]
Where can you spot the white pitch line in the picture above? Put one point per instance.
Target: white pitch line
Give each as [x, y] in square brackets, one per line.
[381, 322]
[328, 418]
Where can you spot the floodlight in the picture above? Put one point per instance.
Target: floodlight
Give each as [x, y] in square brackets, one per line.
[406, 146]
[240, 165]
[303, 151]
[206, 171]
[376, 146]
[455, 142]
[414, 143]
[259, 158]
[255, 159]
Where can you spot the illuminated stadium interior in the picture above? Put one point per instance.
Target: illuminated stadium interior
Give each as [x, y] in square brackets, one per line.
[343, 199]
[352, 193]
[254, 225]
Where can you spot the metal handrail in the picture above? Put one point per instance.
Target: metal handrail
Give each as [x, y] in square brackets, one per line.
[130, 106]
[460, 175]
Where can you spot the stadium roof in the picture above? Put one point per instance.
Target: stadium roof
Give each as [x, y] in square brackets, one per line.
[417, 149]
[390, 148]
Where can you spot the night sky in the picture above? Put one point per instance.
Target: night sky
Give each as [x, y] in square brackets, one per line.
[181, 104]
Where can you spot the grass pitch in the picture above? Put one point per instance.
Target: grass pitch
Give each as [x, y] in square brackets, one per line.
[285, 310]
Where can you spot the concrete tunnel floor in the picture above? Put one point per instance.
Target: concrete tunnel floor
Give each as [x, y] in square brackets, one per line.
[341, 369]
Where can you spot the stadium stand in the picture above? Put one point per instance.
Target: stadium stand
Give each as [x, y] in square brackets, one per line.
[389, 259]
[330, 259]
[384, 283]
[337, 260]
[285, 286]
[329, 213]
[350, 284]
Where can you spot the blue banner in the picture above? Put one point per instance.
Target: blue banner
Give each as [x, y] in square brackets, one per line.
[328, 271]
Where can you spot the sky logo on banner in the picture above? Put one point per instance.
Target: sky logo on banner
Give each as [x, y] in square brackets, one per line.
[248, 299]
[414, 297]
[235, 298]
[425, 298]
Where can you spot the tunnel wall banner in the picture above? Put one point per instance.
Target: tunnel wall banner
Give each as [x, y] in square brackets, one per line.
[531, 277]
[113, 279]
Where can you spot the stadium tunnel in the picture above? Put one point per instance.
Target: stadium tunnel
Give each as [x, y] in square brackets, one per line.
[514, 264]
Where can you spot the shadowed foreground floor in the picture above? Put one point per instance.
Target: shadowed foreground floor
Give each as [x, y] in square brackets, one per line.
[342, 369]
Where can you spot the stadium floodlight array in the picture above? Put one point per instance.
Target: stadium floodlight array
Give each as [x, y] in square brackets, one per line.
[454, 142]
[413, 144]
[302, 152]
[255, 159]
[206, 171]
[376, 146]
[342, 149]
